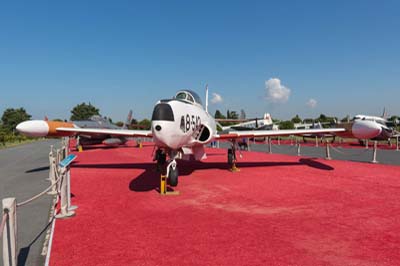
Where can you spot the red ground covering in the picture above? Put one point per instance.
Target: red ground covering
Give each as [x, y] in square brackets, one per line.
[279, 210]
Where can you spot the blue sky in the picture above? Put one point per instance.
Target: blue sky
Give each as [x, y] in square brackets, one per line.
[122, 55]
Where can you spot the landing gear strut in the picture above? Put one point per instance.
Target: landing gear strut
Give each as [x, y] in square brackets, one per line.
[171, 177]
[161, 158]
[232, 157]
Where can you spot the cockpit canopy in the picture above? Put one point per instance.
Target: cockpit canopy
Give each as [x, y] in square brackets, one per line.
[188, 96]
[376, 119]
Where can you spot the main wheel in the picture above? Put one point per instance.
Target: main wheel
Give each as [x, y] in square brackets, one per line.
[173, 177]
[230, 157]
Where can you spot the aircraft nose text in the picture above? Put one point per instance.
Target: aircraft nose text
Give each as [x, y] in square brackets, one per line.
[33, 128]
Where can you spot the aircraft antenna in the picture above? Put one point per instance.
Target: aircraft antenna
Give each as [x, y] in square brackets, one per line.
[207, 98]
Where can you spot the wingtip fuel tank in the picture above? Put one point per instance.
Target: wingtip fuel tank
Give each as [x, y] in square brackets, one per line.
[41, 128]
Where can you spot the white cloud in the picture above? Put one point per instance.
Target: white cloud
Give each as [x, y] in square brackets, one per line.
[216, 98]
[276, 92]
[312, 103]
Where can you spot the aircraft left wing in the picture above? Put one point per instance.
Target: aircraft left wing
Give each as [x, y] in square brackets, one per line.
[275, 133]
[114, 132]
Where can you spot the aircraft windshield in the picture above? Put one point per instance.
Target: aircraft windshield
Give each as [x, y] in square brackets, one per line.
[188, 95]
[181, 96]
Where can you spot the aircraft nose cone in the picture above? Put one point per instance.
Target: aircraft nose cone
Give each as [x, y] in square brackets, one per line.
[366, 129]
[33, 128]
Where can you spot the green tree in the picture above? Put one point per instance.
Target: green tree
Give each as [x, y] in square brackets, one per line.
[12, 117]
[231, 115]
[3, 135]
[286, 125]
[308, 120]
[296, 119]
[83, 111]
[345, 119]
[322, 118]
[145, 124]
[119, 124]
[218, 115]
[393, 118]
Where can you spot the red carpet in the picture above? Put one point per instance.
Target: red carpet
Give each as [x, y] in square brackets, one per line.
[279, 210]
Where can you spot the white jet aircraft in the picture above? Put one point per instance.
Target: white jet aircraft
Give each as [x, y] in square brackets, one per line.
[250, 124]
[180, 129]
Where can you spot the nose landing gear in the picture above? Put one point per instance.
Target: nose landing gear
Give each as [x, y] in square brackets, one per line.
[169, 174]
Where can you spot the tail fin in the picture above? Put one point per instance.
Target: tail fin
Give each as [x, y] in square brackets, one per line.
[268, 119]
[384, 114]
[128, 120]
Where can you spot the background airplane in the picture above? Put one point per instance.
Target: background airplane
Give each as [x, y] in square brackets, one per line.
[264, 123]
[38, 128]
[180, 128]
[355, 128]
[98, 121]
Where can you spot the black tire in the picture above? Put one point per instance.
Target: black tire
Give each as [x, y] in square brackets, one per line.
[230, 157]
[173, 177]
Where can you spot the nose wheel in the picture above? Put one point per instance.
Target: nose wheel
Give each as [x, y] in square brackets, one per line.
[172, 173]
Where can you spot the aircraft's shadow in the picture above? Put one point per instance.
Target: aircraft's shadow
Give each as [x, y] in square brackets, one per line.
[150, 178]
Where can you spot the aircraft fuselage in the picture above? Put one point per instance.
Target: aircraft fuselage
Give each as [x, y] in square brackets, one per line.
[195, 126]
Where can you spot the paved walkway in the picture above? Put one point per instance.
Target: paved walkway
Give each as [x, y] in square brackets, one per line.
[23, 173]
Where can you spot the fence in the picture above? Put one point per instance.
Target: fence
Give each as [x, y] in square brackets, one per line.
[329, 148]
[59, 176]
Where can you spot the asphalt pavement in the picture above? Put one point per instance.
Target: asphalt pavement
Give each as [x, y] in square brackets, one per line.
[23, 173]
[359, 154]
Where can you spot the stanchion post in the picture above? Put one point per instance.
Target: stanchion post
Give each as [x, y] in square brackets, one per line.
[374, 152]
[10, 232]
[279, 140]
[316, 141]
[70, 207]
[57, 168]
[64, 210]
[52, 174]
[269, 145]
[397, 143]
[366, 143]
[328, 154]
[298, 149]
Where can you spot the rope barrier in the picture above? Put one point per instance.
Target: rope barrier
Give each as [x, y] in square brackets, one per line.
[282, 146]
[41, 193]
[345, 153]
[3, 223]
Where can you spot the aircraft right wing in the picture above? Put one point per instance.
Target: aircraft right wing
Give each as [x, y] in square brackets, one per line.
[113, 132]
[275, 133]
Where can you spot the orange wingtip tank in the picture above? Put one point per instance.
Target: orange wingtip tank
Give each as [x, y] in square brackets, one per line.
[53, 125]
[41, 128]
